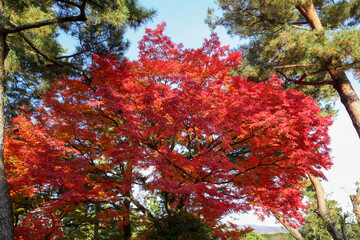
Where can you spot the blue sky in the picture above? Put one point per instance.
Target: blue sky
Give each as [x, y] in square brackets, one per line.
[185, 24]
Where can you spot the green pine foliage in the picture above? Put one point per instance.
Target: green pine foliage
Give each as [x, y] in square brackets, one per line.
[279, 40]
[33, 63]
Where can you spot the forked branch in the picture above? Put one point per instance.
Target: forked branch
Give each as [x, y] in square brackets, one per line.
[300, 81]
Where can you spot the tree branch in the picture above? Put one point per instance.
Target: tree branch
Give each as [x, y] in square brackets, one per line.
[81, 18]
[72, 55]
[144, 210]
[301, 27]
[38, 50]
[296, 65]
[283, 221]
[299, 23]
[301, 80]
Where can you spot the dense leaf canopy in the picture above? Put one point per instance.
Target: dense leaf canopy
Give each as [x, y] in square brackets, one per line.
[174, 124]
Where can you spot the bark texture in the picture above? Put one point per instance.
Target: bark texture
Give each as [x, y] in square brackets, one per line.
[311, 16]
[348, 97]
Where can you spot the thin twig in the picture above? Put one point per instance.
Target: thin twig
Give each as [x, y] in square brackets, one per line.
[296, 65]
[301, 27]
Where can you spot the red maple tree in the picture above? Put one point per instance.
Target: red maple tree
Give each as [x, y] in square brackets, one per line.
[176, 123]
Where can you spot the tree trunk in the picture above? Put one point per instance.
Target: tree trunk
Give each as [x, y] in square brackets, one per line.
[341, 83]
[335, 233]
[96, 223]
[126, 219]
[348, 97]
[127, 228]
[6, 217]
[292, 230]
[352, 104]
[308, 11]
[355, 200]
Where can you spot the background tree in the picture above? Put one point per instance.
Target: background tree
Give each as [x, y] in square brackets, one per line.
[30, 54]
[176, 125]
[355, 201]
[254, 236]
[315, 228]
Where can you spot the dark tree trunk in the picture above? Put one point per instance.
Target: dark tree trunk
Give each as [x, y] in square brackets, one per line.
[6, 217]
[126, 218]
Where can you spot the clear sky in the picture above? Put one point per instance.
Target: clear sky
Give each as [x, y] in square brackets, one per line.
[185, 24]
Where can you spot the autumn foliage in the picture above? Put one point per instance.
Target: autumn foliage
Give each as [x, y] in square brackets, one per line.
[175, 124]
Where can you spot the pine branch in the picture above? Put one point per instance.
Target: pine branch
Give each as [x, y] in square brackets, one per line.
[299, 23]
[40, 52]
[81, 18]
[301, 27]
[296, 65]
[301, 80]
[37, 49]
[72, 55]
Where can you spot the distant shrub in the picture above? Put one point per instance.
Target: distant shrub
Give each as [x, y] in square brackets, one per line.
[278, 236]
